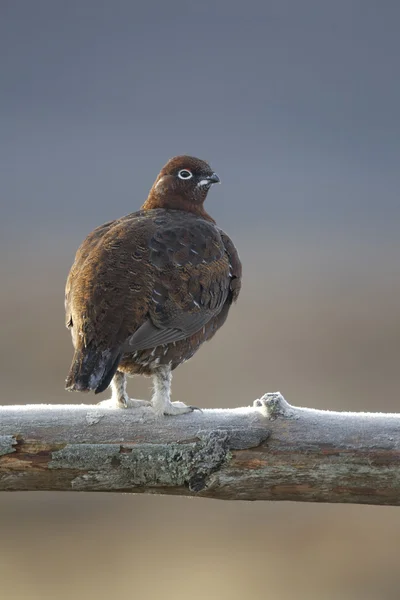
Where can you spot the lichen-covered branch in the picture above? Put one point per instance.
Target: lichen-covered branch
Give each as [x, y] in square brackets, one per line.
[269, 451]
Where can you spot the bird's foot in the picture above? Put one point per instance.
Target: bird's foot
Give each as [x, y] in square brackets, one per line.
[172, 408]
[124, 402]
[161, 402]
[178, 408]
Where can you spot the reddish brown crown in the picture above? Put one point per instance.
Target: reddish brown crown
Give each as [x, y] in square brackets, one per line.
[182, 184]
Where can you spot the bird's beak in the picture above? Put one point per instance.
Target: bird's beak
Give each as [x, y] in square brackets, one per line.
[214, 178]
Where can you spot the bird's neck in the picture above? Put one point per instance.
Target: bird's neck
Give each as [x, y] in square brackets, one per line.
[175, 202]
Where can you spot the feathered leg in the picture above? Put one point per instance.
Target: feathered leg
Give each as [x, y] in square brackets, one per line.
[161, 399]
[119, 397]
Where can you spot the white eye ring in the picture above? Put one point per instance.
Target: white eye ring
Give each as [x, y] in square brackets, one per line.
[185, 174]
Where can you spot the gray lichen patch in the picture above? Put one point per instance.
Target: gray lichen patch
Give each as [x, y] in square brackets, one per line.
[111, 466]
[84, 456]
[210, 453]
[7, 443]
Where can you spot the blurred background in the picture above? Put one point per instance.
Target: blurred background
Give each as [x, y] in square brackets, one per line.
[296, 106]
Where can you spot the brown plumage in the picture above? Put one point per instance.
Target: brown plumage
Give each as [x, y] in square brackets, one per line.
[145, 291]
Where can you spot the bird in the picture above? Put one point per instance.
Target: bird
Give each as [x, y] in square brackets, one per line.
[146, 290]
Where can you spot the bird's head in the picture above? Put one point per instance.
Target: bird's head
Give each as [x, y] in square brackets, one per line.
[183, 184]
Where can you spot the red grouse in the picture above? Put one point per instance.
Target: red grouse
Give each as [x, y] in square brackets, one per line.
[145, 291]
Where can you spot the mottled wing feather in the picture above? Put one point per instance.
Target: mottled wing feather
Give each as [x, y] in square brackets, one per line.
[150, 336]
[192, 281]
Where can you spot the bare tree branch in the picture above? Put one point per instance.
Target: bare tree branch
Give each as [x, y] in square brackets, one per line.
[270, 451]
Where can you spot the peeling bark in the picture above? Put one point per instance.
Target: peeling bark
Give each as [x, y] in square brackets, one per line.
[270, 451]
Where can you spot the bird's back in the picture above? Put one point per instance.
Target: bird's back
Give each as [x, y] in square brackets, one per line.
[151, 278]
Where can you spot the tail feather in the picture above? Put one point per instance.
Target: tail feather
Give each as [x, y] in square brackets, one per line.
[92, 369]
[108, 375]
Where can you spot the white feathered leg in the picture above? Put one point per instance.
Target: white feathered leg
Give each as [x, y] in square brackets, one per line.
[161, 399]
[119, 397]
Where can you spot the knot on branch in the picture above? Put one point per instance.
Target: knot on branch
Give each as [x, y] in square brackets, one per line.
[274, 406]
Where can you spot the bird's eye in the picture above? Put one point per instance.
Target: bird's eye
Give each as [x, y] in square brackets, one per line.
[185, 174]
